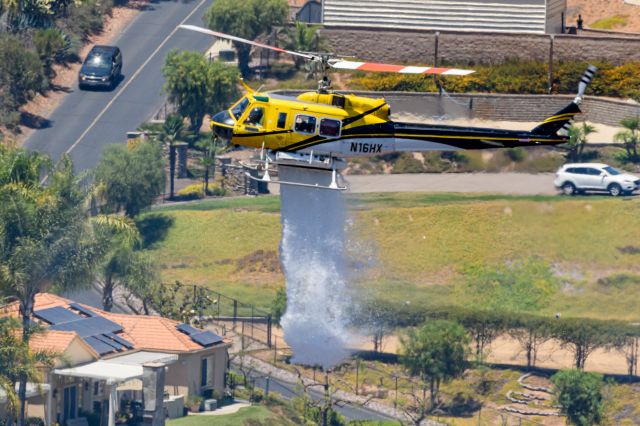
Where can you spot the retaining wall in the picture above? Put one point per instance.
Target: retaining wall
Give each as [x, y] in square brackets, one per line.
[418, 47]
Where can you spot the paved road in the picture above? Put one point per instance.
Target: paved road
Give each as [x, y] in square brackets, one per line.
[88, 121]
[288, 391]
[498, 183]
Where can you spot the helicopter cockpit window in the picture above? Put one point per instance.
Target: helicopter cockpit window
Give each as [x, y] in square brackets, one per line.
[305, 124]
[255, 117]
[329, 128]
[238, 110]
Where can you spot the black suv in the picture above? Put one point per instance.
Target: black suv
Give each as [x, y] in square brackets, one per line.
[101, 68]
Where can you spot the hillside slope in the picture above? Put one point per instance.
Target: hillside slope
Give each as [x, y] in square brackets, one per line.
[593, 11]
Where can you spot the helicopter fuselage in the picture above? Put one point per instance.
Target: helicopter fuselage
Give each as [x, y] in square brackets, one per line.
[353, 126]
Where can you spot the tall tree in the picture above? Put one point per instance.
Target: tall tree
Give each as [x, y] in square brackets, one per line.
[45, 242]
[171, 129]
[129, 179]
[117, 236]
[583, 336]
[580, 396]
[302, 37]
[209, 147]
[246, 19]
[198, 86]
[630, 137]
[531, 332]
[436, 353]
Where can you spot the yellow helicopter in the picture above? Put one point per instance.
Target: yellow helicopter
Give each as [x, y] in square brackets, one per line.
[318, 129]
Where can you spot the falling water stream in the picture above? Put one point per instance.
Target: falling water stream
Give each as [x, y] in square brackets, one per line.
[313, 258]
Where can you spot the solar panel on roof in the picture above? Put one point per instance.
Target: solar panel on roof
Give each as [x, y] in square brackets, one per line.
[100, 347]
[206, 338]
[187, 329]
[105, 339]
[57, 315]
[123, 342]
[91, 326]
[82, 309]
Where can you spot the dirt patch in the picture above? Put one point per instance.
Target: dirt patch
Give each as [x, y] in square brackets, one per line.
[34, 115]
[259, 261]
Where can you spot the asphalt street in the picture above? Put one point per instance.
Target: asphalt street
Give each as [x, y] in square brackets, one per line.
[86, 122]
[288, 391]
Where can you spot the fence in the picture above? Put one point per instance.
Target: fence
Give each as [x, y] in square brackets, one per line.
[200, 305]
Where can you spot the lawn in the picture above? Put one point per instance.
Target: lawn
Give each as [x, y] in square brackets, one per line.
[255, 416]
[413, 246]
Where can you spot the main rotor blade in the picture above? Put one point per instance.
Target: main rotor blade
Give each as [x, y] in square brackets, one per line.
[402, 69]
[245, 41]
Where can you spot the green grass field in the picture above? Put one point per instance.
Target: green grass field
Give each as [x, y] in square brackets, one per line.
[255, 415]
[413, 246]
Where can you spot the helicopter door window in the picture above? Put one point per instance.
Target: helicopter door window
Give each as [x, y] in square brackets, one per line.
[329, 128]
[282, 120]
[255, 117]
[305, 124]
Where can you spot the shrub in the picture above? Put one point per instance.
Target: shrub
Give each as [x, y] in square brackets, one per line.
[407, 163]
[191, 192]
[580, 395]
[515, 154]
[215, 190]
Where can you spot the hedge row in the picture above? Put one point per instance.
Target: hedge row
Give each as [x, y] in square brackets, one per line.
[524, 77]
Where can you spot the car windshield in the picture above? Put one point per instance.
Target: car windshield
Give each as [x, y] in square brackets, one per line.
[98, 62]
[240, 107]
[612, 171]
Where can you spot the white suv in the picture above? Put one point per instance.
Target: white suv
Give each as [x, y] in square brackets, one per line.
[581, 177]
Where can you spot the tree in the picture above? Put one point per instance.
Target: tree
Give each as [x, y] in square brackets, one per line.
[580, 395]
[378, 318]
[49, 45]
[577, 141]
[247, 19]
[129, 179]
[484, 327]
[45, 242]
[171, 129]
[303, 38]
[209, 146]
[436, 353]
[198, 86]
[531, 332]
[630, 137]
[18, 360]
[583, 336]
[21, 74]
[279, 305]
[117, 236]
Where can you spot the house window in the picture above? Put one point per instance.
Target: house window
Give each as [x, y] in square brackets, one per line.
[330, 128]
[305, 124]
[282, 120]
[96, 387]
[203, 372]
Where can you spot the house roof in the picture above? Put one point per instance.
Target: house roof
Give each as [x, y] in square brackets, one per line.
[153, 333]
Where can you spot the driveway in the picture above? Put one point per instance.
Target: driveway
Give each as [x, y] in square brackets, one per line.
[86, 122]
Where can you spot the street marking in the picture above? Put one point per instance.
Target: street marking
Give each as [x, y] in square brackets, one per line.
[135, 74]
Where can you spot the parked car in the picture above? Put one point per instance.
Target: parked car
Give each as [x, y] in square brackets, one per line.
[101, 68]
[582, 177]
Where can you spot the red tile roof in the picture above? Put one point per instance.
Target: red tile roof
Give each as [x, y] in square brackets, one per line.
[144, 332]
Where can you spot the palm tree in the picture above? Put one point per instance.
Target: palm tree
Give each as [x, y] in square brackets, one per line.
[578, 140]
[171, 130]
[18, 360]
[209, 147]
[630, 137]
[45, 241]
[117, 237]
[303, 38]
